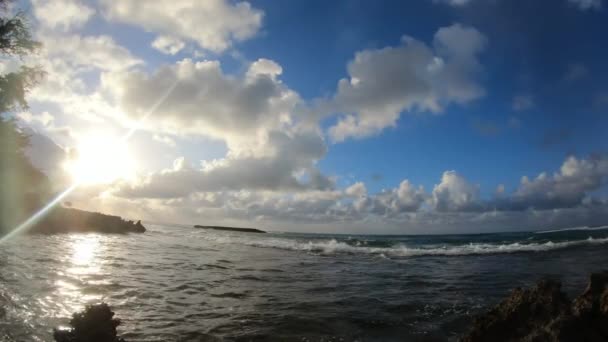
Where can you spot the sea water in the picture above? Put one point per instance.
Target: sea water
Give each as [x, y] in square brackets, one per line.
[186, 284]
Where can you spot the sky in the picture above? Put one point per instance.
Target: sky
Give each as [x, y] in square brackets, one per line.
[381, 117]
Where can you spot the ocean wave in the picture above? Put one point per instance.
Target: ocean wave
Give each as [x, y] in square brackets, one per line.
[333, 246]
[585, 228]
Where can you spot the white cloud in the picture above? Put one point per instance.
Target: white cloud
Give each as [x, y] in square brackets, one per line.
[292, 156]
[100, 52]
[164, 139]
[356, 190]
[213, 24]
[72, 63]
[62, 14]
[566, 188]
[239, 110]
[455, 193]
[585, 5]
[389, 203]
[414, 76]
[168, 44]
[410, 197]
[264, 67]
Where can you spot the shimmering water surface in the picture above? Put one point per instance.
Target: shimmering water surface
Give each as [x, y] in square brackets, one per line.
[185, 284]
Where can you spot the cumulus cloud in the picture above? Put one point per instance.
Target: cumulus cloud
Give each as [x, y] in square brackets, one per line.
[168, 44]
[410, 197]
[564, 189]
[455, 193]
[291, 158]
[62, 14]
[71, 63]
[570, 187]
[212, 24]
[413, 76]
[100, 52]
[240, 110]
[388, 203]
[356, 190]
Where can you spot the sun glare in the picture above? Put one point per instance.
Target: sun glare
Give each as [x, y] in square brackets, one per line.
[100, 160]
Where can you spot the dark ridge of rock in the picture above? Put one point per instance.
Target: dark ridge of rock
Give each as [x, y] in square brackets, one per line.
[233, 229]
[544, 314]
[68, 220]
[94, 324]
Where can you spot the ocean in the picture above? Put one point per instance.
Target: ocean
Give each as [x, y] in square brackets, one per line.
[186, 284]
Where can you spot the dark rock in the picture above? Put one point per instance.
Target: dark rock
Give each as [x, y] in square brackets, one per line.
[94, 324]
[590, 301]
[68, 220]
[544, 313]
[139, 227]
[231, 229]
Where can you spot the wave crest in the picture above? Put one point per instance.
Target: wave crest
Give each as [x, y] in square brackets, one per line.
[333, 246]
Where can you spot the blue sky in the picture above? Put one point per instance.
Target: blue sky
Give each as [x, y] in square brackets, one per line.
[526, 57]
[373, 116]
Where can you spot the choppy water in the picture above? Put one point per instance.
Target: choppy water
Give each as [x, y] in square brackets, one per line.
[184, 284]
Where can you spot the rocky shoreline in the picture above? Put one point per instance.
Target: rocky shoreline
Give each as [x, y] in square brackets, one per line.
[70, 220]
[544, 313]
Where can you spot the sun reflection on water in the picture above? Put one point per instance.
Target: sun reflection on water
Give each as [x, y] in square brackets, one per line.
[84, 249]
[83, 266]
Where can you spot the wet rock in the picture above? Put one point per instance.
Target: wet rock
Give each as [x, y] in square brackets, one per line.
[94, 324]
[544, 313]
[138, 227]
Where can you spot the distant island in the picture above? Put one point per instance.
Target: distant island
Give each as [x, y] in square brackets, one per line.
[232, 229]
[70, 220]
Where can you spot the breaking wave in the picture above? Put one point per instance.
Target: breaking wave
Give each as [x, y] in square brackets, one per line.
[334, 246]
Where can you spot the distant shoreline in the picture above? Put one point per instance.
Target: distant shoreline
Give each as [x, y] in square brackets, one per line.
[232, 229]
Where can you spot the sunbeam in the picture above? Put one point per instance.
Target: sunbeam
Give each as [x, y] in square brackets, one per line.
[29, 222]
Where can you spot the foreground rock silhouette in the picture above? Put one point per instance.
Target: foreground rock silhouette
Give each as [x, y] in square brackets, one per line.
[95, 324]
[544, 313]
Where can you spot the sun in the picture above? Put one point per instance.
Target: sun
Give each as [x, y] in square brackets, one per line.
[101, 159]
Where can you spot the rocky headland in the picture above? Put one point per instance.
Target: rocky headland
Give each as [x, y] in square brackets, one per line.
[70, 220]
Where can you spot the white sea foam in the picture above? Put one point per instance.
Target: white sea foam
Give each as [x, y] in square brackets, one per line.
[333, 246]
